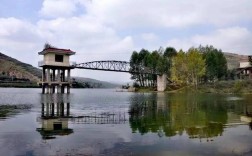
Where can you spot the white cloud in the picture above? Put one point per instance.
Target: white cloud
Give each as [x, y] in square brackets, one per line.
[161, 13]
[112, 29]
[58, 8]
[153, 13]
[19, 39]
[89, 38]
[232, 39]
[86, 36]
[149, 37]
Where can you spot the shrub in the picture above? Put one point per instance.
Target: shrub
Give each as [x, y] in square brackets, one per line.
[238, 86]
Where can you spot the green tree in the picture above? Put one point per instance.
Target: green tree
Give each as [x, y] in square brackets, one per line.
[179, 69]
[134, 61]
[143, 61]
[169, 54]
[216, 63]
[250, 59]
[196, 65]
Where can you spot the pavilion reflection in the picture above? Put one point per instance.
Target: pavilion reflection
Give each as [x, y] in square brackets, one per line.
[55, 114]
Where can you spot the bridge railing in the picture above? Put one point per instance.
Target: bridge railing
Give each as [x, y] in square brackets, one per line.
[42, 63]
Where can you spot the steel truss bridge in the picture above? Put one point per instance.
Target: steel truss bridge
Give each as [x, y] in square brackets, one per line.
[116, 66]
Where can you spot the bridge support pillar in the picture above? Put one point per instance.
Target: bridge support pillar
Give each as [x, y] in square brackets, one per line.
[161, 82]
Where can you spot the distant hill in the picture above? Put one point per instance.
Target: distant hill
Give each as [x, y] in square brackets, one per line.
[14, 73]
[14, 69]
[92, 83]
[233, 60]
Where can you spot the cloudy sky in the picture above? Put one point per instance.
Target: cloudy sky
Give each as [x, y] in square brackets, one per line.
[112, 29]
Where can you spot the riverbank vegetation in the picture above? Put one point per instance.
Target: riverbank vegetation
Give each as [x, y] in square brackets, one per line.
[199, 68]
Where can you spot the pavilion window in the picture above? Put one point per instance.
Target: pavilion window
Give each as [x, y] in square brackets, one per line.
[59, 58]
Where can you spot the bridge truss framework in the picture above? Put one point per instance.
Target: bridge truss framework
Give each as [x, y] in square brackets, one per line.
[116, 66]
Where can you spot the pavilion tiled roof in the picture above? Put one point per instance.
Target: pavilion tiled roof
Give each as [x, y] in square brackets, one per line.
[57, 50]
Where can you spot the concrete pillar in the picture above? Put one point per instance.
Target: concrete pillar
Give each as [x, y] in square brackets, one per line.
[64, 75]
[58, 89]
[43, 88]
[48, 75]
[58, 75]
[52, 112]
[43, 110]
[47, 90]
[68, 89]
[161, 82]
[61, 76]
[68, 109]
[62, 89]
[53, 76]
[62, 109]
[53, 89]
[68, 75]
[58, 109]
[47, 109]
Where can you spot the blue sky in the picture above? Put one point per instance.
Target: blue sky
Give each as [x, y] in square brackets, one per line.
[112, 29]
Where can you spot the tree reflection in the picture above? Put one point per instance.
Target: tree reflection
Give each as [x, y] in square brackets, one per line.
[177, 114]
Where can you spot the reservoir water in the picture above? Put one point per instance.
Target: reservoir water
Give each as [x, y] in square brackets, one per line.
[106, 122]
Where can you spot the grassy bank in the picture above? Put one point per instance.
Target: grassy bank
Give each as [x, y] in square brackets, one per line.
[145, 89]
[229, 87]
[221, 87]
[19, 85]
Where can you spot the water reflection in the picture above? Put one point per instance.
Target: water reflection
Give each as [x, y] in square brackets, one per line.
[54, 117]
[203, 119]
[247, 117]
[7, 111]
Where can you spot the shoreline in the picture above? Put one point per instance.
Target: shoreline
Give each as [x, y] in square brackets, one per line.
[220, 87]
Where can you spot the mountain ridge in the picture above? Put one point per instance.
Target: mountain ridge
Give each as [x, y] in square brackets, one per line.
[233, 60]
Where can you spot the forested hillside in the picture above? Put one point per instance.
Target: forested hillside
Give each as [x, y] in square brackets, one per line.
[14, 73]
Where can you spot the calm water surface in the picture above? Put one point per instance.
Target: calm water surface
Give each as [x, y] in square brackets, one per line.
[106, 122]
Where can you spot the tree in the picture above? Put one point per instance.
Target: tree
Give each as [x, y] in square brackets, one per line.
[169, 54]
[133, 66]
[144, 59]
[196, 65]
[221, 65]
[179, 69]
[188, 68]
[48, 45]
[250, 59]
[216, 63]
